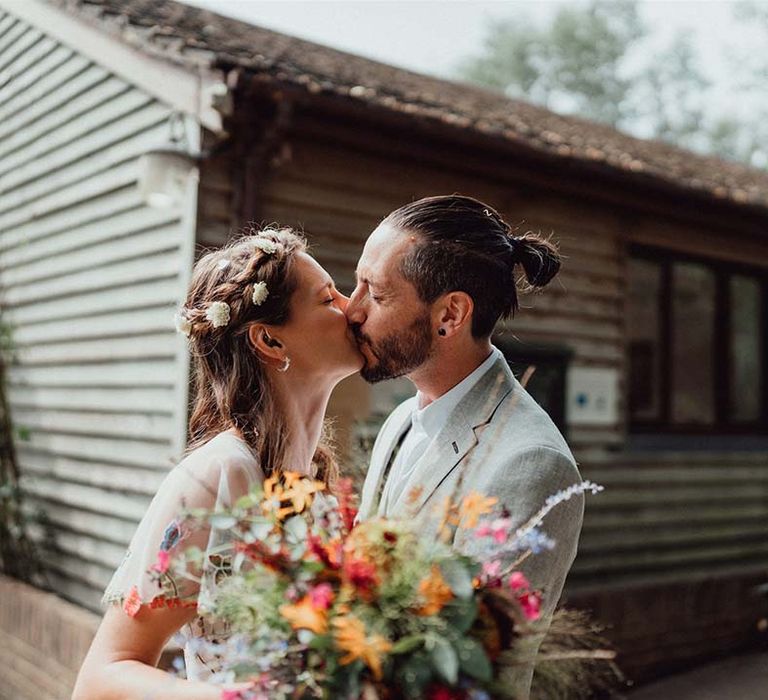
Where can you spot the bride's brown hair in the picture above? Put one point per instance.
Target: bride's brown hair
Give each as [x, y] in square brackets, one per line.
[230, 384]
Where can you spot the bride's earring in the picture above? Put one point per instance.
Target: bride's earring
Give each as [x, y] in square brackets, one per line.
[286, 365]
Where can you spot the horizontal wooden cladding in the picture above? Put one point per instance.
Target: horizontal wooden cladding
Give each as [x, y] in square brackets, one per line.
[98, 152]
[122, 221]
[79, 104]
[150, 399]
[156, 427]
[70, 218]
[98, 474]
[111, 374]
[33, 85]
[62, 516]
[139, 452]
[668, 520]
[50, 106]
[87, 498]
[146, 321]
[725, 245]
[350, 171]
[88, 188]
[136, 347]
[134, 271]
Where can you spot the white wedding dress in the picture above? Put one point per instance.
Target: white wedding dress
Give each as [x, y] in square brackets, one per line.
[214, 475]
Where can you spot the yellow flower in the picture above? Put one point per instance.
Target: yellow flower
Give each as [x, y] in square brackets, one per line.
[300, 493]
[435, 592]
[304, 615]
[473, 506]
[350, 637]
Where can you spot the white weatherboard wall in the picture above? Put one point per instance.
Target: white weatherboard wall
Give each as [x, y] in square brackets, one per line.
[89, 279]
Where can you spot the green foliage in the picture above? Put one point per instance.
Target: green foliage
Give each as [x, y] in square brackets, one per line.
[19, 556]
[595, 61]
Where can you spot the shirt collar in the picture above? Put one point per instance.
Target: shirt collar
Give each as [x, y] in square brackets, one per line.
[433, 417]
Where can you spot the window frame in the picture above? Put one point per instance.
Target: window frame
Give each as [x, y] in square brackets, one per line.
[722, 271]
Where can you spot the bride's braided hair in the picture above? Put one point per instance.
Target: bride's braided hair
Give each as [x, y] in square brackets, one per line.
[251, 279]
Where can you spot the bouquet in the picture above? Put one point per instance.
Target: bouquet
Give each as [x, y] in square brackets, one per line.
[318, 606]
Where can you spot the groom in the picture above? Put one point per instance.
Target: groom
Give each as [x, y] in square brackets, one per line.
[434, 278]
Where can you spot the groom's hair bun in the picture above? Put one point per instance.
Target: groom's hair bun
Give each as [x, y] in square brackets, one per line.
[465, 245]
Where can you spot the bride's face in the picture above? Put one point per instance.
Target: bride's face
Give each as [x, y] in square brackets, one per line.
[317, 337]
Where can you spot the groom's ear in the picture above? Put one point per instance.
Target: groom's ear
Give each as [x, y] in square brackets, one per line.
[264, 343]
[454, 312]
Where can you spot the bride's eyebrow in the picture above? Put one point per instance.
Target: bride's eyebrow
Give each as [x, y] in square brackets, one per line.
[327, 285]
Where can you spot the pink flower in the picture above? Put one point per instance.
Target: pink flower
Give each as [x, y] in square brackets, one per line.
[531, 604]
[132, 603]
[321, 596]
[162, 562]
[483, 531]
[491, 569]
[518, 582]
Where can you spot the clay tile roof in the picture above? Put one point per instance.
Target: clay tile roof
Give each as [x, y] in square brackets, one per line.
[192, 36]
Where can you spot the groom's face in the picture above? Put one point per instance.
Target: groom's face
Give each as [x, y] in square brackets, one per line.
[391, 324]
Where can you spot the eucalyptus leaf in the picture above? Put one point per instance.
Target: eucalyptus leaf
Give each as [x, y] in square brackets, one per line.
[407, 644]
[473, 660]
[460, 614]
[222, 521]
[457, 577]
[444, 660]
[296, 528]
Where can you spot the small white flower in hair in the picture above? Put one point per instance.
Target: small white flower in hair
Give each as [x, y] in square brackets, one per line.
[260, 293]
[223, 264]
[218, 314]
[182, 324]
[265, 245]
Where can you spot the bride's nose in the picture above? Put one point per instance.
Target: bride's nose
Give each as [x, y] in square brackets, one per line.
[343, 302]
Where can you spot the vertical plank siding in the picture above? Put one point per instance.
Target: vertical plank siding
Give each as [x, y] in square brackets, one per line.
[89, 278]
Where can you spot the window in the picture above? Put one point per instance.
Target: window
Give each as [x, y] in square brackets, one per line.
[697, 344]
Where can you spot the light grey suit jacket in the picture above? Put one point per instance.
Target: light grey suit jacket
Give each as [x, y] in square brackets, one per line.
[500, 442]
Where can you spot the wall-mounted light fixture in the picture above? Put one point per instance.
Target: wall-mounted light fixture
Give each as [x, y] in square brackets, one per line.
[163, 171]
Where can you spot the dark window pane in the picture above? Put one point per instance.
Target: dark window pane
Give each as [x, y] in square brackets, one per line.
[644, 340]
[746, 350]
[693, 324]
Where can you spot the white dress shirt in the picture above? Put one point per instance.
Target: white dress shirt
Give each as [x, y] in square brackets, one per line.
[426, 424]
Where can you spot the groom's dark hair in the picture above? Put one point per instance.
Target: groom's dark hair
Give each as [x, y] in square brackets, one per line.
[465, 245]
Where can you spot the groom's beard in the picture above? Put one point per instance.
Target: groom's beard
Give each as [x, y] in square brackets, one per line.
[399, 353]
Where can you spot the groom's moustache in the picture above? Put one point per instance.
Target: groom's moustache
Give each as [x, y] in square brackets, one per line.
[361, 337]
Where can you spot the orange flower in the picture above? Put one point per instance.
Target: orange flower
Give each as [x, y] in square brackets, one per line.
[304, 615]
[350, 637]
[301, 492]
[274, 495]
[435, 592]
[473, 506]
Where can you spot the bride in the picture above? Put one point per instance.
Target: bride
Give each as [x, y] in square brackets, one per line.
[269, 341]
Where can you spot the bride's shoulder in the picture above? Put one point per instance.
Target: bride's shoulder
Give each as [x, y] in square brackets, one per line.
[223, 460]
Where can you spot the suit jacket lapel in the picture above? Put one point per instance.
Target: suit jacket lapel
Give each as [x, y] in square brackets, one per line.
[380, 460]
[456, 439]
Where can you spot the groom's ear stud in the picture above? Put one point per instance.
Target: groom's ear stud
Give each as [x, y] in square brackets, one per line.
[441, 331]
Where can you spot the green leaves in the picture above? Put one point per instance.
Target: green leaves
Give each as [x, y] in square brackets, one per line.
[457, 577]
[473, 660]
[444, 659]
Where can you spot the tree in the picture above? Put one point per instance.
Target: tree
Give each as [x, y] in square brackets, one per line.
[573, 65]
[596, 61]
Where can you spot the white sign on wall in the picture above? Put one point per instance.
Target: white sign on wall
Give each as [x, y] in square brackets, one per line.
[592, 396]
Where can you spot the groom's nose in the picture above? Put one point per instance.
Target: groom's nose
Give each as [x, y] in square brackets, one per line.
[355, 311]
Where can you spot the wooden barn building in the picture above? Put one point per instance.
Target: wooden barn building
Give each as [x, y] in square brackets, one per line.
[133, 133]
